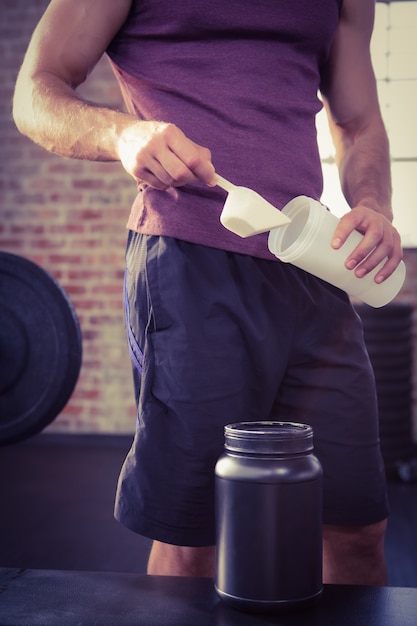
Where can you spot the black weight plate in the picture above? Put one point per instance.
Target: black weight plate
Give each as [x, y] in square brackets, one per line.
[392, 312]
[40, 348]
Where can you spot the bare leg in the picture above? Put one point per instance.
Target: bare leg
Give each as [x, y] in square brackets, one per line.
[354, 555]
[169, 560]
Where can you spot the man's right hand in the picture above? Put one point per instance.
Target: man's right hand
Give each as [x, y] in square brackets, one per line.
[160, 155]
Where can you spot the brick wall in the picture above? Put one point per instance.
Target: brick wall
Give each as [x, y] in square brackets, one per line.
[69, 217]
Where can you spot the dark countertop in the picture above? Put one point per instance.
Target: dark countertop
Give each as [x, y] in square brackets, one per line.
[61, 598]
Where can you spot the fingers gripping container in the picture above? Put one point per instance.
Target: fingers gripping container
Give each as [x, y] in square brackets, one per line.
[306, 243]
[268, 517]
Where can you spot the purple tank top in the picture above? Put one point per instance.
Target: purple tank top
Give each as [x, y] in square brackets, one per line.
[239, 77]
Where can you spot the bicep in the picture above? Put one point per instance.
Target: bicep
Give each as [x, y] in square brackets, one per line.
[348, 85]
[71, 37]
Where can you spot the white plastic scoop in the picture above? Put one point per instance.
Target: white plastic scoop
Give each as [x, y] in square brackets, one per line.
[246, 213]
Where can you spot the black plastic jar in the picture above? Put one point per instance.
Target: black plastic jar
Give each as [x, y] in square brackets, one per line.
[268, 517]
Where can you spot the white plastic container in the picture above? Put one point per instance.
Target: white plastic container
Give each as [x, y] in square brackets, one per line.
[306, 243]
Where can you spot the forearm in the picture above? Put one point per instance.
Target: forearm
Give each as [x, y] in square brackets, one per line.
[364, 165]
[55, 117]
[48, 111]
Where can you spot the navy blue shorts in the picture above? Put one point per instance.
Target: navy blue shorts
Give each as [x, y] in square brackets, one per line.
[217, 337]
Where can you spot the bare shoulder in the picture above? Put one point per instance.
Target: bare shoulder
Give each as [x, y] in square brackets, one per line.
[72, 36]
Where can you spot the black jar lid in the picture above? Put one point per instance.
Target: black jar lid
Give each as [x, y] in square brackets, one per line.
[269, 437]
